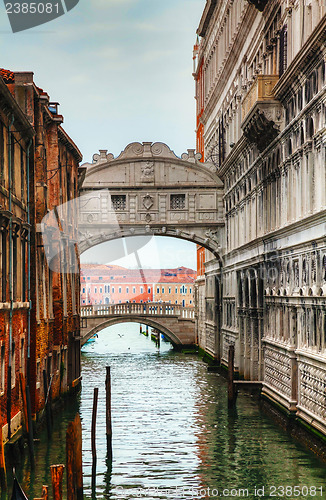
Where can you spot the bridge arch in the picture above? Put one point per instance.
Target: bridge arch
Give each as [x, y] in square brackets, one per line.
[174, 339]
[123, 234]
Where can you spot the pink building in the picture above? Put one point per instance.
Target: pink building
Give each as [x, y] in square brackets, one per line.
[105, 284]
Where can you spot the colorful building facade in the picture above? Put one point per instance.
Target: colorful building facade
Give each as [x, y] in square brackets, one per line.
[118, 285]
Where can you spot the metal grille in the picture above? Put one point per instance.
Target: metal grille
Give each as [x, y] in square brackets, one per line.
[118, 202]
[178, 201]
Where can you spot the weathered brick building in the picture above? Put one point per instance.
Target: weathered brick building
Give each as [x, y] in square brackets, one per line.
[50, 339]
[16, 136]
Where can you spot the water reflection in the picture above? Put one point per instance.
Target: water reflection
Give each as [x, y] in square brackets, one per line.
[173, 434]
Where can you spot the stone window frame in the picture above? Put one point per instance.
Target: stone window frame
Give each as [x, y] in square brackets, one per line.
[177, 201]
[119, 202]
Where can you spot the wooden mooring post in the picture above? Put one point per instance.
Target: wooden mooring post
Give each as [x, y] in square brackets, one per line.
[74, 460]
[30, 427]
[108, 414]
[93, 437]
[57, 477]
[24, 389]
[47, 408]
[232, 393]
[45, 494]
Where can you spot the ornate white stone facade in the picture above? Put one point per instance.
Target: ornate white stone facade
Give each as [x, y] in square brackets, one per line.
[261, 104]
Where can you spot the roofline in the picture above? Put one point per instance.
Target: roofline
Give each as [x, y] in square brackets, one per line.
[70, 143]
[206, 17]
[16, 108]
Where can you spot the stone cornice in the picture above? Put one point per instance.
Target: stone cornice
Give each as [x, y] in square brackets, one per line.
[206, 17]
[230, 60]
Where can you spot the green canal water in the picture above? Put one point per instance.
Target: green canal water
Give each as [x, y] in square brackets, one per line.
[173, 435]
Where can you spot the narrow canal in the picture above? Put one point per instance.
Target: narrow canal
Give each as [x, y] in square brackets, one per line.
[173, 436]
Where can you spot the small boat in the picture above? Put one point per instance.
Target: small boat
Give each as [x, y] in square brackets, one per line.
[17, 492]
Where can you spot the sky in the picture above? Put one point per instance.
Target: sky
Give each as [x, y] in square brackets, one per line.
[155, 252]
[120, 69]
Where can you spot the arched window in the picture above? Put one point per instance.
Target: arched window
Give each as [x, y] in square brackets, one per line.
[301, 136]
[299, 99]
[307, 91]
[314, 83]
[310, 128]
[304, 271]
[278, 157]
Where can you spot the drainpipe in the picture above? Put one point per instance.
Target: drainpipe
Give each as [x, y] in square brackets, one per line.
[10, 282]
[29, 298]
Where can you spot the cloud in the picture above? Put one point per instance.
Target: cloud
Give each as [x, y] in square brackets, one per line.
[124, 64]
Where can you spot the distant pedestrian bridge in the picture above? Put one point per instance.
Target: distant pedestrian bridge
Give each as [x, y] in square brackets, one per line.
[176, 322]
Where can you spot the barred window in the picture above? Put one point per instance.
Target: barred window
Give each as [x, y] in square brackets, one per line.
[178, 201]
[118, 202]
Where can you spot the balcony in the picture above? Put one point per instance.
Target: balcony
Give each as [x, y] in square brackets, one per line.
[262, 113]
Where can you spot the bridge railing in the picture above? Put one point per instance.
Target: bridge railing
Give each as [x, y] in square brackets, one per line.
[145, 309]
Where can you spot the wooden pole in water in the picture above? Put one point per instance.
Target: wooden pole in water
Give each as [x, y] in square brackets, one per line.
[74, 460]
[108, 414]
[231, 385]
[93, 437]
[57, 476]
[158, 339]
[3, 474]
[47, 409]
[30, 428]
[45, 493]
[24, 401]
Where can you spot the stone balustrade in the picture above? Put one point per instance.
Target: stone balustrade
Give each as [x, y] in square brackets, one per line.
[145, 309]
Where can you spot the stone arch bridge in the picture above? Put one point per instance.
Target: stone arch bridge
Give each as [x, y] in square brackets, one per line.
[177, 323]
[148, 190]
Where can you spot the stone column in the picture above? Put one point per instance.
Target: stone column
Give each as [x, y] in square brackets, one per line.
[247, 341]
[293, 358]
[241, 323]
[254, 344]
[284, 195]
[132, 208]
[260, 320]
[309, 177]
